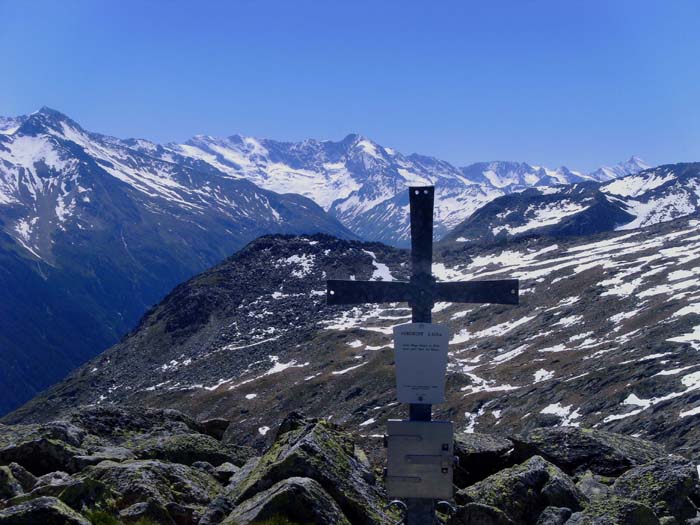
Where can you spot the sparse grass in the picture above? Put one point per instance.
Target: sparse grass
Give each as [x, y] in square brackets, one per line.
[100, 517]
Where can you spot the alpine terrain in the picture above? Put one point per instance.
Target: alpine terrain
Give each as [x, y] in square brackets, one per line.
[94, 230]
[567, 406]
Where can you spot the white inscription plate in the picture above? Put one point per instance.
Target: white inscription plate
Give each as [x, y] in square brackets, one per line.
[421, 362]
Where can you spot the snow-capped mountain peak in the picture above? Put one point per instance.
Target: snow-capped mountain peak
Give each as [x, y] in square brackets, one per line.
[629, 167]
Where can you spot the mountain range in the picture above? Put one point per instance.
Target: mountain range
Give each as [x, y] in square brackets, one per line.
[95, 229]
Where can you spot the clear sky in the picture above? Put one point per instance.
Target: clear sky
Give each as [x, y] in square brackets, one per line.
[552, 82]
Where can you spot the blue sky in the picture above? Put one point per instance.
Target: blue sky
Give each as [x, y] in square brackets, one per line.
[550, 82]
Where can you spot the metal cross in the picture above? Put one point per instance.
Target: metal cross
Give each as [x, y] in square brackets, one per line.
[421, 293]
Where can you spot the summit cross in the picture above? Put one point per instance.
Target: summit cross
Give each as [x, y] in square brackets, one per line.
[421, 292]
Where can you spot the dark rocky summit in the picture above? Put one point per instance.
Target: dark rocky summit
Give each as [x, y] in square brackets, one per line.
[112, 465]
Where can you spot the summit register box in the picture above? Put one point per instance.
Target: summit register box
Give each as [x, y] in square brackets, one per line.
[420, 461]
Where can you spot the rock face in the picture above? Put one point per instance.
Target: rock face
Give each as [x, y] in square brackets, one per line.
[146, 467]
[577, 450]
[525, 490]
[42, 511]
[299, 500]
[315, 449]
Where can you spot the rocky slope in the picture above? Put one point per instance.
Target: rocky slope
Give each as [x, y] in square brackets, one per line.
[606, 336]
[111, 465]
[93, 231]
[626, 203]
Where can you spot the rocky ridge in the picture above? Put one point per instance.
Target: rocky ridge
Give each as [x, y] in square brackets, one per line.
[120, 465]
[605, 336]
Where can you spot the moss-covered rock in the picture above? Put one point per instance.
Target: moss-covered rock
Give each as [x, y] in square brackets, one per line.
[592, 485]
[614, 511]
[480, 455]
[665, 484]
[41, 448]
[149, 510]
[576, 449]
[21, 474]
[100, 454]
[9, 485]
[317, 450]
[554, 516]
[299, 500]
[140, 481]
[479, 514]
[42, 511]
[524, 491]
[190, 448]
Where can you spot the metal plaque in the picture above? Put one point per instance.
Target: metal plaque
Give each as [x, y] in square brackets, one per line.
[421, 362]
[420, 460]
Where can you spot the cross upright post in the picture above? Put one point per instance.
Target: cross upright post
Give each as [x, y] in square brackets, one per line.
[421, 292]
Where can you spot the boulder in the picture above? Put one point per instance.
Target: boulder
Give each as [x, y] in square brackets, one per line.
[576, 450]
[51, 484]
[297, 500]
[591, 486]
[479, 514]
[524, 491]
[318, 450]
[9, 485]
[225, 472]
[215, 428]
[41, 511]
[614, 511]
[480, 455]
[40, 449]
[150, 510]
[554, 516]
[100, 454]
[114, 423]
[140, 481]
[217, 511]
[21, 474]
[187, 449]
[665, 484]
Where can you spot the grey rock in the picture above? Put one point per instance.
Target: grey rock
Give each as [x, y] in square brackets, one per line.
[665, 484]
[42, 511]
[205, 466]
[576, 449]
[187, 449]
[148, 510]
[103, 454]
[480, 455]
[298, 500]
[554, 516]
[39, 449]
[242, 474]
[215, 427]
[590, 485]
[225, 472]
[525, 490]
[21, 474]
[143, 480]
[217, 511]
[614, 511]
[479, 514]
[9, 485]
[320, 451]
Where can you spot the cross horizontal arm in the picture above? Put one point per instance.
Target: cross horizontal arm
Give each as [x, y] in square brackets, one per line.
[494, 292]
[359, 292]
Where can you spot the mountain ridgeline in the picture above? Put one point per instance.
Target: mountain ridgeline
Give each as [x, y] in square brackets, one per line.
[94, 229]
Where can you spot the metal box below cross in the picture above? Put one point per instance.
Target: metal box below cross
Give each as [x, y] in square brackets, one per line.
[420, 459]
